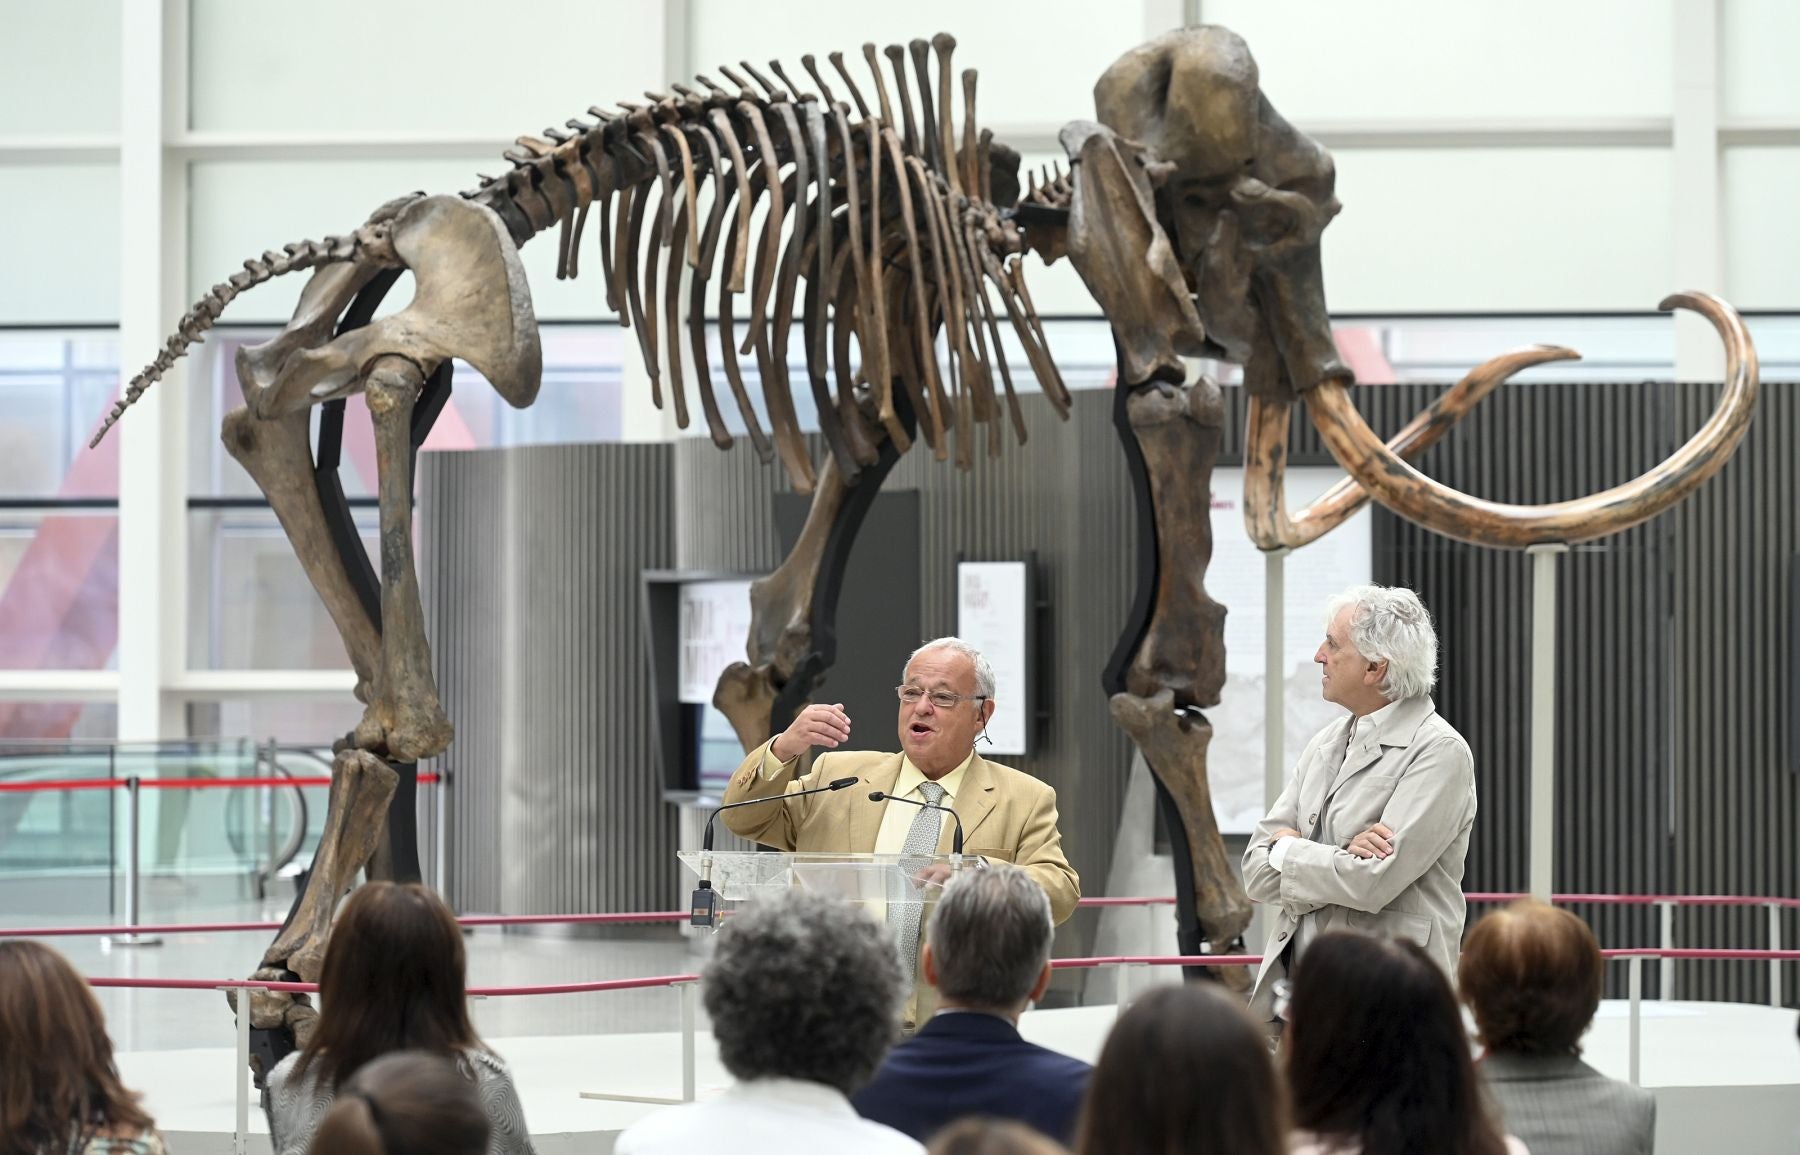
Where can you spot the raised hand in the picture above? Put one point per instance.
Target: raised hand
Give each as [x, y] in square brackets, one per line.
[819, 724]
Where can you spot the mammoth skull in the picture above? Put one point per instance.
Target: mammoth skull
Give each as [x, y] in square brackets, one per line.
[1195, 221]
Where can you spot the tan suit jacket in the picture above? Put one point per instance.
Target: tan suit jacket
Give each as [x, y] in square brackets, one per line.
[1007, 815]
[1413, 772]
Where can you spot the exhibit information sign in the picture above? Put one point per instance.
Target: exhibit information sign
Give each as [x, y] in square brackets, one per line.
[1340, 559]
[993, 614]
[715, 620]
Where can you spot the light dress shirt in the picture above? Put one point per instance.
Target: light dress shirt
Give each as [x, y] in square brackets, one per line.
[765, 1117]
[1303, 934]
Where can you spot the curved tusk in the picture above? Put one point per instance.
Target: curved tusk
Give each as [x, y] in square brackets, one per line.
[1265, 460]
[1441, 509]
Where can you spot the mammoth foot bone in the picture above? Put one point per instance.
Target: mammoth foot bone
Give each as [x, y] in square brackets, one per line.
[362, 788]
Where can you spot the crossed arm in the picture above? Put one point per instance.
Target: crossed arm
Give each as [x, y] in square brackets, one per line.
[1427, 811]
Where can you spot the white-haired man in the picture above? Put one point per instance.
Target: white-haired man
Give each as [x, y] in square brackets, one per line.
[1373, 827]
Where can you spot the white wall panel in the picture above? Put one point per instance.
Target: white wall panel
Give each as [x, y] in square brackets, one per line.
[1037, 65]
[60, 71]
[1509, 229]
[1762, 231]
[412, 65]
[1756, 69]
[1419, 60]
[59, 241]
[242, 208]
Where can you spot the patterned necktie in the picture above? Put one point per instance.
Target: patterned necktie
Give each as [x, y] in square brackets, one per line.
[921, 846]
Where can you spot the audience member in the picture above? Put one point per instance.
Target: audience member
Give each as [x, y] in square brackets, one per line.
[404, 1103]
[1378, 1061]
[1531, 974]
[804, 992]
[993, 1137]
[59, 1087]
[393, 980]
[987, 951]
[1185, 1070]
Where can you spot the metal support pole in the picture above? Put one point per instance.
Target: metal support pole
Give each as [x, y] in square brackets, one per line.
[1125, 984]
[132, 876]
[1666, 940]
[1274, 673]
[440, 854]
[1636, 1030]
[1543, 717]
[687, 1041]
[1152, 910]
[1775, 963]
[240, 1142]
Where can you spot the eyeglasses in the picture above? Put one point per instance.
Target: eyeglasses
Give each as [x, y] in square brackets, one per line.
[1284, 997]
[942, 699]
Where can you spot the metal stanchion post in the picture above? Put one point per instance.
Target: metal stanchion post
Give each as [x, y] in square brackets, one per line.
[687, 991]
[1153, 911]
[1274, 673]
[240, 1142]
[1637, 1015]
[132, 877]
[1666, 974]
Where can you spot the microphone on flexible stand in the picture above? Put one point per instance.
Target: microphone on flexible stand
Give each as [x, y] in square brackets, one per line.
[704, 910]
[956, 839]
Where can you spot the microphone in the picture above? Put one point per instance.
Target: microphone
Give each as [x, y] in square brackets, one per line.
[704, 909]
[956, 840]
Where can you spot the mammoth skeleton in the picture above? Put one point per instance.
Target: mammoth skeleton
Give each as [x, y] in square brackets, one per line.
[1191, 209]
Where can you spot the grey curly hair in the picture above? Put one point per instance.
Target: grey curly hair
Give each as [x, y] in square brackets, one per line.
[804, 986]
[1391, 624]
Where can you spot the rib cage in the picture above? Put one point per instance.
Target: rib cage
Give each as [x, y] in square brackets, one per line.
[891, 221]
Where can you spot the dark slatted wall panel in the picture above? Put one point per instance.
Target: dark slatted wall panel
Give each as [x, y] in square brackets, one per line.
[540, 659]
[1737, 787]
[1063, 495]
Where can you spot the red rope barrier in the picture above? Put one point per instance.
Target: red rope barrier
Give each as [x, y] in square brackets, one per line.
[172, 783]
[1203, 960]
[312, 988]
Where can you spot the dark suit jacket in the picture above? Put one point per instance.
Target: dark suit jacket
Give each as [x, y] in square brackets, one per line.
[964, 1063]
[1558, 1105]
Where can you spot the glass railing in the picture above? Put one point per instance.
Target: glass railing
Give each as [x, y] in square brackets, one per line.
[65, 824]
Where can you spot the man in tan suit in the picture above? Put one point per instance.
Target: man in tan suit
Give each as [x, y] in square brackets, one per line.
[946, 698]
[1373, 828]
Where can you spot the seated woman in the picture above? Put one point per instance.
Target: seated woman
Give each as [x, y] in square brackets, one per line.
[404, 1103]
[1187, 1070]
[59, 1087]
[1531, 975]
[1378, 1061]
[393, 980]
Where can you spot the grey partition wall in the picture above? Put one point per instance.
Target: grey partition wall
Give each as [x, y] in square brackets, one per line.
[530, 559]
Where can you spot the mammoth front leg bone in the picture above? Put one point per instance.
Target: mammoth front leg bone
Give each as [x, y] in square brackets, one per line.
[362, 788]
[404, 718]
[793, 638]
[1177, 665]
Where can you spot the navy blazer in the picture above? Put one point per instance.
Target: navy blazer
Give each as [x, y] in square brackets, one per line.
[964, 1063]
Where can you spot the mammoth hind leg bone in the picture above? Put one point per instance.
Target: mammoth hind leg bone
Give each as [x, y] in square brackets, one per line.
[405, 719]
[1171, 662]
[277, 454]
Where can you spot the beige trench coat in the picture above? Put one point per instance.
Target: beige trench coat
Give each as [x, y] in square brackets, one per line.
[1413, 772]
